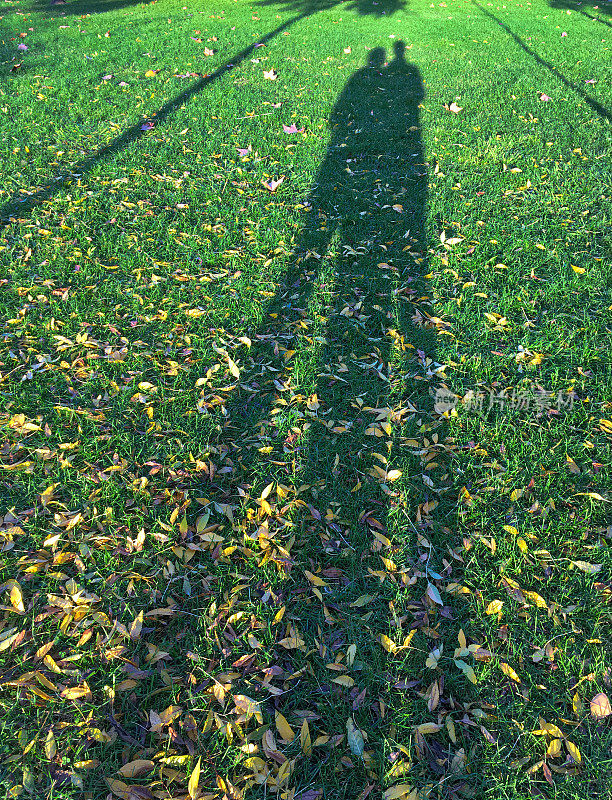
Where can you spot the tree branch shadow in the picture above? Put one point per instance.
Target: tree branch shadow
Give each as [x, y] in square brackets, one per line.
[591, 102]
[22, 203]
[603, 6]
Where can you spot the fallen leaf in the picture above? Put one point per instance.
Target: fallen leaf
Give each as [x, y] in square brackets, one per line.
[355, 738]
[507, 670]
[453, 107]
[494, 607]
[398, 791]
[282, 726]
[600, 706]
[584, 566]
[272, 185]
[136, 768]
[194, 780]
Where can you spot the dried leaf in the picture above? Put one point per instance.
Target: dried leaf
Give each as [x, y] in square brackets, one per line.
[600, 706]
[305, 742]
[355, 738]
[194, 780]
[136, 768]
[507, 670]
[284, 729]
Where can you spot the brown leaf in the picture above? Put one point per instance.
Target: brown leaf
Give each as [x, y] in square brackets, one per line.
[600, 706]
[136, 768]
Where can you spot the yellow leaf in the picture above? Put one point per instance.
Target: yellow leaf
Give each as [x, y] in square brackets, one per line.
[136, 768]
[394, 474]
[344, 680]
[233, 367]
[573, 751]
[17, 598]
[577, 704]
[536, 598]
[151, 73]
[292, 643]
[554, 748]
[266, 492]
[507, 670]
[76, 692]
[284, 773]
[387, 643]
[194, 780]
[585, 566]
[494, 607]
[305, 742]
[578, 270]
[314, 579]
[428, 727]
[397, 791]
[136, 627]
[510, 529]
[571, 465]
[50, 746]
[285, 730]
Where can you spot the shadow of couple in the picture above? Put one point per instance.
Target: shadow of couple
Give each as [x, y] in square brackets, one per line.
[344, 352]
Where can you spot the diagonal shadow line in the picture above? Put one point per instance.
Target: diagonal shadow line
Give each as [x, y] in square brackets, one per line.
[20, 204]
[601, 110]
[593, 17]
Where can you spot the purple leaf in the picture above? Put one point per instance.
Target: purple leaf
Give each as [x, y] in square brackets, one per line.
[22, 46]
[147, 126]
[292, 129]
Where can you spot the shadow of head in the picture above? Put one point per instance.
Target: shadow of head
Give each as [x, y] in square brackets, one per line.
[376, 8]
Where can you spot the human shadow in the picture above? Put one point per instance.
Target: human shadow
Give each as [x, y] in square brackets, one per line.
[346, 311]
[590, 101]
[25, 202]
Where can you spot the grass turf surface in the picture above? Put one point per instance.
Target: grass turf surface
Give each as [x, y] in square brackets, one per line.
[304, 485]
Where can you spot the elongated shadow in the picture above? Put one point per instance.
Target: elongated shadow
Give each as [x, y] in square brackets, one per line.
[577, 10]
[347, 310]
[580, 6]
[594, 104]
[20, 203]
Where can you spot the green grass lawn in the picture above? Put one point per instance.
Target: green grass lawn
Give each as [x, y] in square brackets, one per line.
[305, 400]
